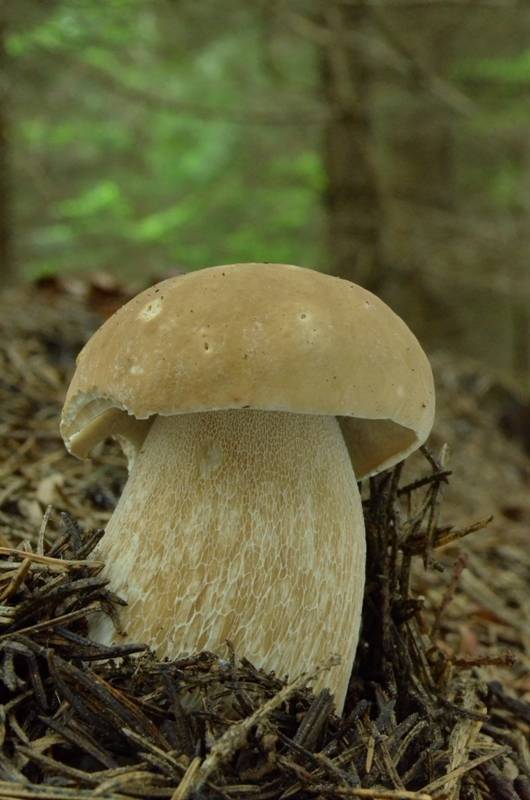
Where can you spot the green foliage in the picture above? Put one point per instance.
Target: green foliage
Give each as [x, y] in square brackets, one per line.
[514, 70]
[156, 134]
[144, 141]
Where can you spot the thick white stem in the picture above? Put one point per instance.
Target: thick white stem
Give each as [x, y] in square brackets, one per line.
[243, 525]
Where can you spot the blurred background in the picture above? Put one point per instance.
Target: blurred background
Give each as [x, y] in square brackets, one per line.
[385, 141]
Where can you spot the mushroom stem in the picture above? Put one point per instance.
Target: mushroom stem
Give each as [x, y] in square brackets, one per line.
[243, 525]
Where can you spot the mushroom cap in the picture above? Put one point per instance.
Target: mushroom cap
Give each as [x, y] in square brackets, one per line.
[273, 337]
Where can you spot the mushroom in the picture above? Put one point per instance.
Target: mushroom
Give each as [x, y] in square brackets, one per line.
[249, 400]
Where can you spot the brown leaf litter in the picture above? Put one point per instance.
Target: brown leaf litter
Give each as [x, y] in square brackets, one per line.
[439, 702]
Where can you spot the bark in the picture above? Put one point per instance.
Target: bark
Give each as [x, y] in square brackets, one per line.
[353, 200]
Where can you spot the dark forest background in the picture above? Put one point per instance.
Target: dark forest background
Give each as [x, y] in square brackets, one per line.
[386, 141]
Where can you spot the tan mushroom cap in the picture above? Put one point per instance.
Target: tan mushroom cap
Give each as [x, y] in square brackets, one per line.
[265, 336]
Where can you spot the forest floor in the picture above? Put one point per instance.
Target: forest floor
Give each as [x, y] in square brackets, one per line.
[455, 723]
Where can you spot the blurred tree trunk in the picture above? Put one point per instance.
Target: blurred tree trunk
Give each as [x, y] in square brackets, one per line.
[422, 132]
[521, 309]
[423, 157]
[7, 271]
[353, 199]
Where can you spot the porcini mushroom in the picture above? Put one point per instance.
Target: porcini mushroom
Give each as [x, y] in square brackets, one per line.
[249, 400]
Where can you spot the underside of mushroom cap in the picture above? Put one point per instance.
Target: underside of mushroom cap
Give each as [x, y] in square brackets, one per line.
[266, 336]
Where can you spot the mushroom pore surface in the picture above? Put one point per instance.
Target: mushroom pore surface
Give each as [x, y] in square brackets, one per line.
[243, 525]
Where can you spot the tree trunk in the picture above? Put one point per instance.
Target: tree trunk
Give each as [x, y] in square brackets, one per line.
[7, 270]
[520, 307]
[422, 129]
[353, 199]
